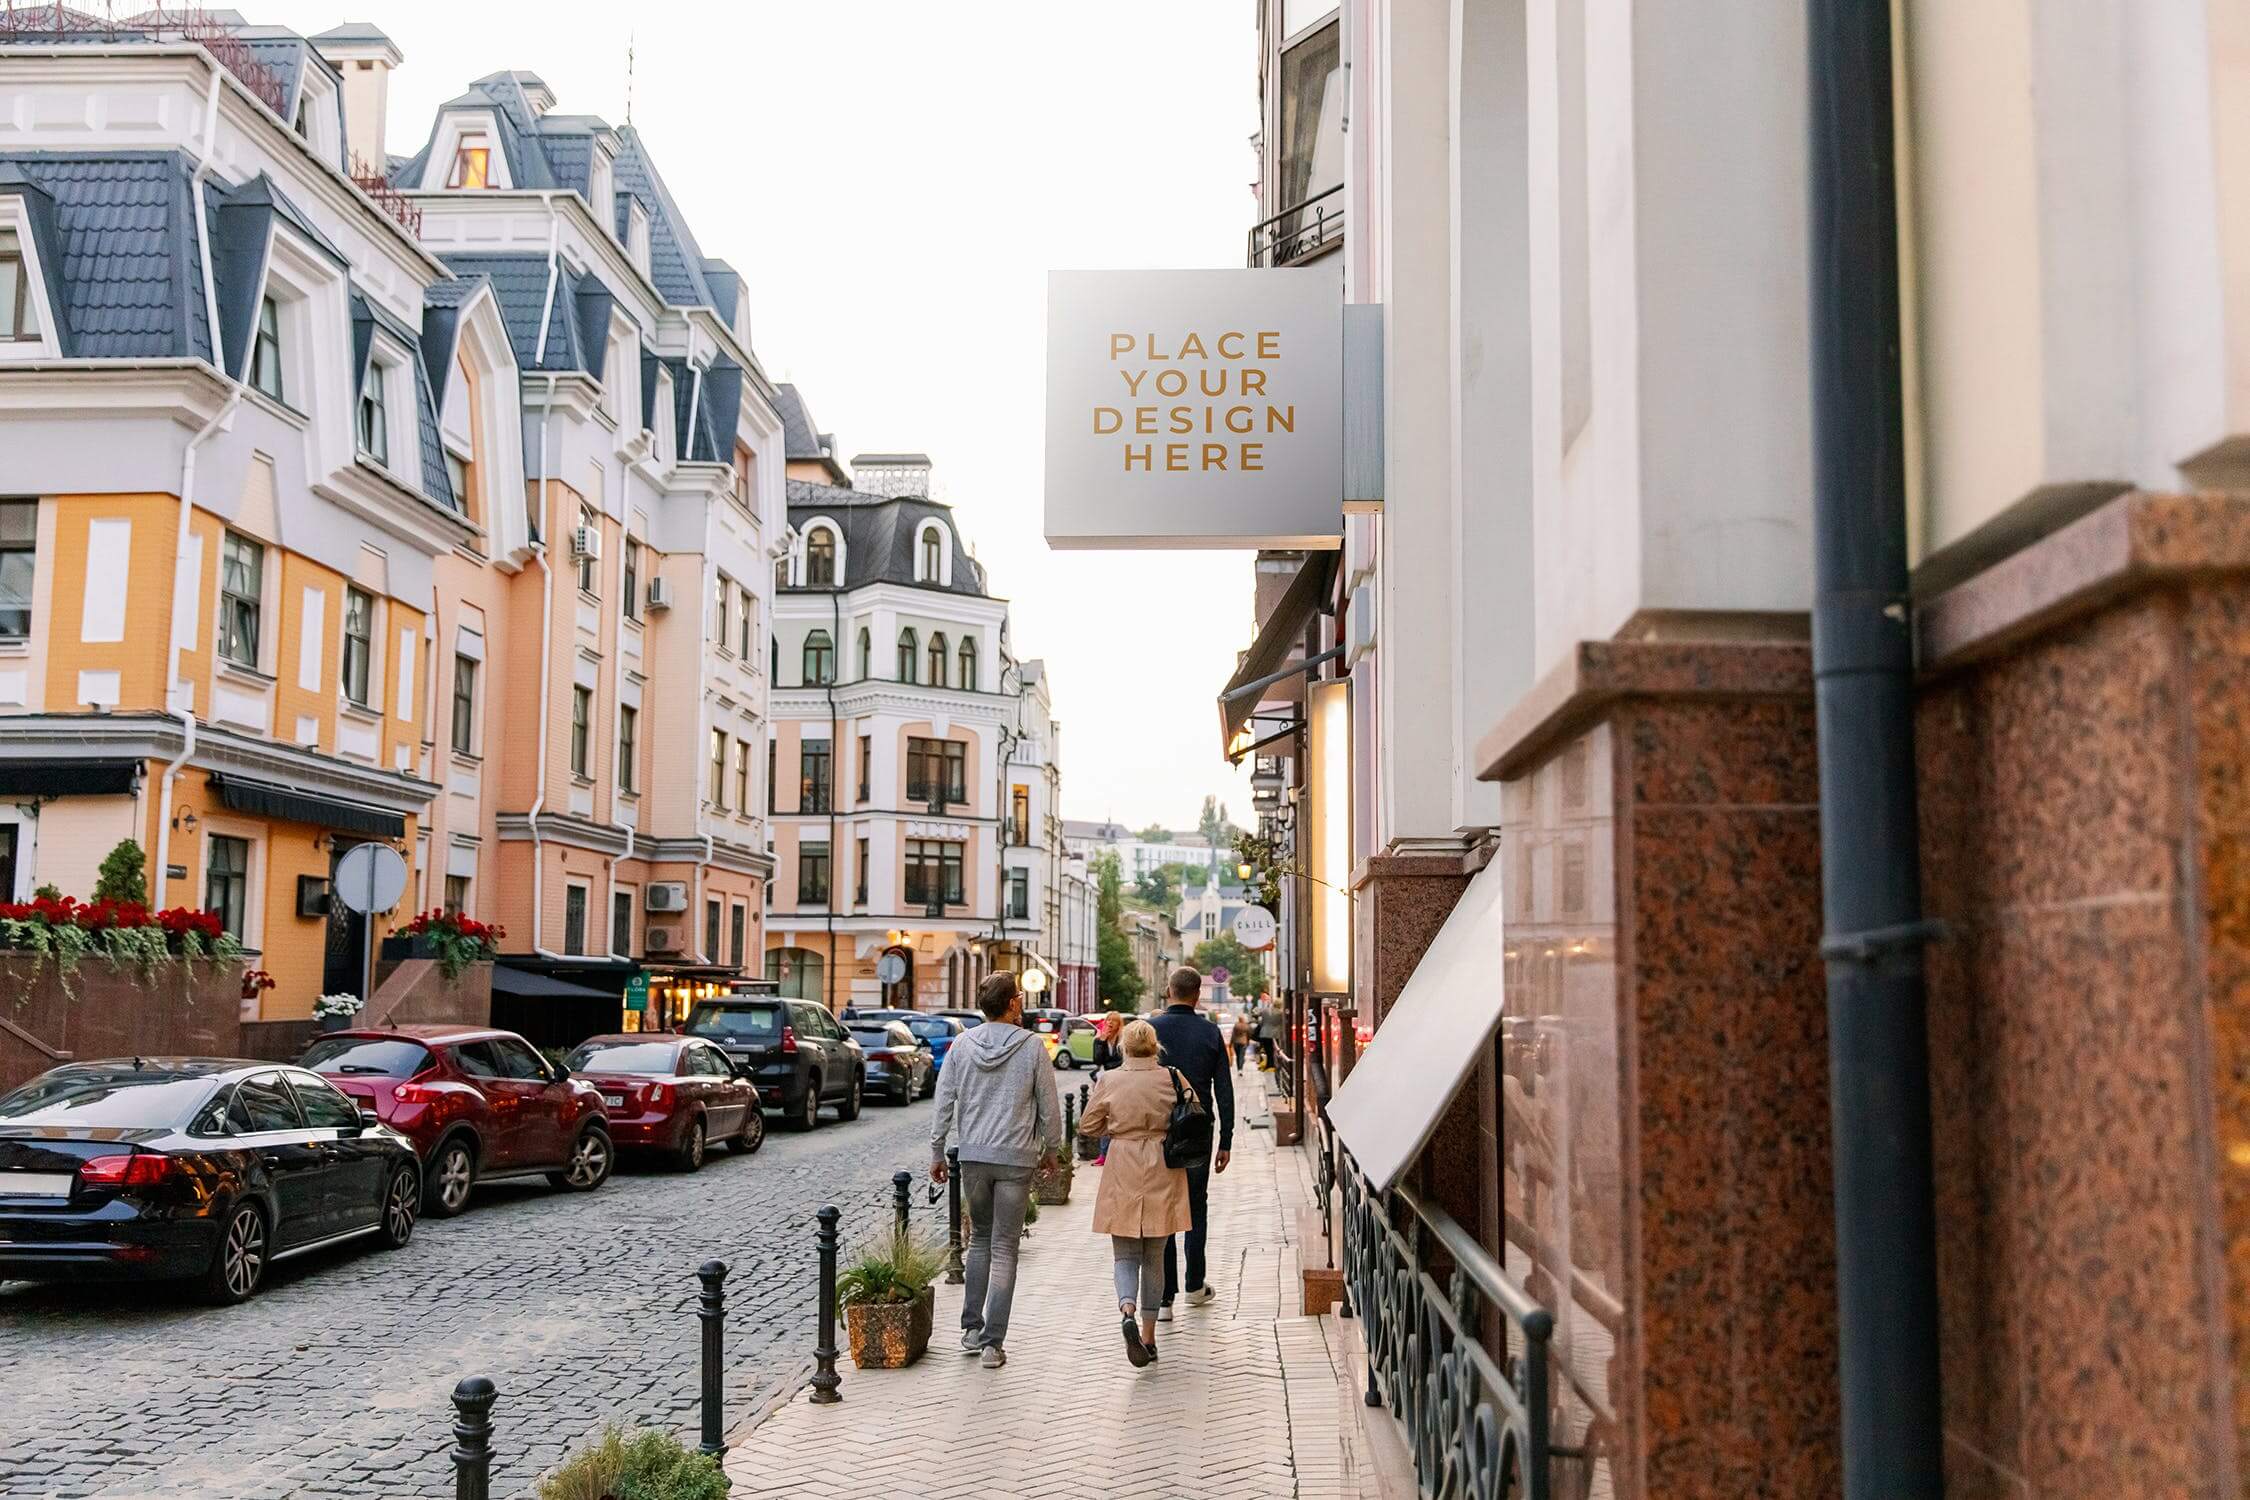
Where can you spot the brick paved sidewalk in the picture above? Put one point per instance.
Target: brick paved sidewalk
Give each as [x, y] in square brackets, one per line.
[1249, 1400]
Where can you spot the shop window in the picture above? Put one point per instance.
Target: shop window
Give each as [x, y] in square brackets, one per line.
[226, 882]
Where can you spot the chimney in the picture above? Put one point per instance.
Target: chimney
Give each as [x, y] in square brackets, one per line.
[360, 51]
[892, 475]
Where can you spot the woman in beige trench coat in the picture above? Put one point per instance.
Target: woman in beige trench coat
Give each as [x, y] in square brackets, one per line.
[1142, 1202]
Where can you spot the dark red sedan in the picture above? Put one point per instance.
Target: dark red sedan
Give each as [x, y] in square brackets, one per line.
[671, 1093]
[478, 1104]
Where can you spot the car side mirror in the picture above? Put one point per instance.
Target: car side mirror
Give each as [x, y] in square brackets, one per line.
[368, 1116]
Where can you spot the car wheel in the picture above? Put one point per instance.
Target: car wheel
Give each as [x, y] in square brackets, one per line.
[849, 1109]
[240, 1263]
[929, 1083]
[1066, 1059]
[692, 1146]
[753, 1134]
[401, 1205]
[591, 1157]
[808, 1106]
[451, 1174]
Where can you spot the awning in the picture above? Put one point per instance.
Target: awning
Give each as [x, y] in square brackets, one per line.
[42, 777]
[530, 986]
[1034, 955]
[271, 800]
[1279, 640]
[1431, 1039]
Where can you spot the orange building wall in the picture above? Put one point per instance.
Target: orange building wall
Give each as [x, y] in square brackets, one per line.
[148, 600]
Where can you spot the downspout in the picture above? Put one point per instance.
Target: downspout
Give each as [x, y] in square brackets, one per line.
[546, 594]
[1863, 674]
[835, 764]
[158, 881]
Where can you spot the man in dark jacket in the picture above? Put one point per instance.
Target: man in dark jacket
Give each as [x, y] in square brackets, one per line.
[1190, 1043]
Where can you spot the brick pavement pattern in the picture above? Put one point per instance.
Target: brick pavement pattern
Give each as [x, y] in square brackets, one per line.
[334, 1383]
[1249, 1400]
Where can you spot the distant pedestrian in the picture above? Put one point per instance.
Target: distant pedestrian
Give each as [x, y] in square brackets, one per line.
[1142, 1202]
[1239, 1038]
[1192, 1044]
[996, 1100]
[1106, 1057]
[1270, 1022]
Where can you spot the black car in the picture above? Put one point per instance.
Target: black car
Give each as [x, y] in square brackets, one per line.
[201, 1168]
[798, 1055]
[899, 1063]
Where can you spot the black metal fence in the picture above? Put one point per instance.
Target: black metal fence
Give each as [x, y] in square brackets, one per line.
[1299, 232]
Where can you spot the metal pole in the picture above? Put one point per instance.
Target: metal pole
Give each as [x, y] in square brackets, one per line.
[902, 1188]
[825, 1379]
[953, 1275]
[1863, 670]
[713, 1311]
[472, 1438]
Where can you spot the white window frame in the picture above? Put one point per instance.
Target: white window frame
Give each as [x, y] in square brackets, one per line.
[601, 183]
[14, 221]
[319, 105]
[797, 568]
[637, 235]
[314, 320]
[461, 126]
[254, 882]
[664, 419]
[944, 533]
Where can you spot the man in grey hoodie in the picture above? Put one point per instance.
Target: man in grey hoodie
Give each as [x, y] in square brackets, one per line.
[996, 1101]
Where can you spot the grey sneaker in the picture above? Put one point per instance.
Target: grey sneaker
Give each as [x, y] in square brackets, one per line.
[994, 1357]
[972, 1341]
[1164, 1313]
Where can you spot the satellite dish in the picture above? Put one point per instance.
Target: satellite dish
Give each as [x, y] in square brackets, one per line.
[370, 878]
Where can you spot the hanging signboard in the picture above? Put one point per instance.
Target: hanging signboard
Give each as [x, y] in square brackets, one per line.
[1194, 409]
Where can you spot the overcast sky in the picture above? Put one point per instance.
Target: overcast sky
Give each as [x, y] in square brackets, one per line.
[894, 178]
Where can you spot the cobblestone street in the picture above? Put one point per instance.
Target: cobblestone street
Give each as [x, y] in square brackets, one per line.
[335, 1381]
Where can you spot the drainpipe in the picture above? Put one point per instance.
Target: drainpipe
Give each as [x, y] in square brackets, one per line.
[158, 881]
[547, 591]
[1863, 670]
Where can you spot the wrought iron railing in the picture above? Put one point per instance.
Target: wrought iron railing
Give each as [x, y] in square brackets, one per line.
[372, 181]
[214, 32]
[1299, 232]
[1478, 1422]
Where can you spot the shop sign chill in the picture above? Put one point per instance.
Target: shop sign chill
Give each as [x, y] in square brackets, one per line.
[1194, 409]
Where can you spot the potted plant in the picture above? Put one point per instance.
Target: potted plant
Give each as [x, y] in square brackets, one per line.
[888, 1302]
[637, 1466]
[335, 1012]
[1051, 1183]
[454, 940]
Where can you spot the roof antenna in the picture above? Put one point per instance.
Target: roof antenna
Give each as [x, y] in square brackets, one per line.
[629, 39]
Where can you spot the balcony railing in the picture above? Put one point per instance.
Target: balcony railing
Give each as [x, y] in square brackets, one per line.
[371, 180]
[1299, 232]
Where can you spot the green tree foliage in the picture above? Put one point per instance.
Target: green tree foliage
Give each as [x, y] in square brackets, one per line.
[1155, 833]
[1246, 971]
[123, 875]
[1160, 887]
[1118, 977]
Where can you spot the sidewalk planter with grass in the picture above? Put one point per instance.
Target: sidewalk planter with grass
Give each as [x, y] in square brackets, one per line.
[1051, 1184]
[888, 1302]
[642, 1466]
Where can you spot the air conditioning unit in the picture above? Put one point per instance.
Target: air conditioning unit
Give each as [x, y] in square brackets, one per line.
[586, 543]
[660, 593]
[664, 940]
[667, 895]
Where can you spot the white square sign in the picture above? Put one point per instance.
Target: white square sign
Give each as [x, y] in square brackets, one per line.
[1194, 409]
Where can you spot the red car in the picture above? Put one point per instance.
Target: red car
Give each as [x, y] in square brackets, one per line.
[675, 1094]
[478, 1104]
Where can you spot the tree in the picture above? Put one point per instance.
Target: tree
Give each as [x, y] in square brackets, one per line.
[1246, 971]
[1212, 823]
[1155, 833]
[1159, 887]
[122, 876]
[1117, 977]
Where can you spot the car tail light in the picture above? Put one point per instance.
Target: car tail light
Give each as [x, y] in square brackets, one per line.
[788, 1039]
[141, 1169]
[413, 1093]
[656, 1095]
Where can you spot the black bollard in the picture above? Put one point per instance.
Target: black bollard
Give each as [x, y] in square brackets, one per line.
[953, 1216]
[825, 1379]
[713, 1312]
[1070, 1121]
[902, 1193]
[1087, 1146]
[472, 1438]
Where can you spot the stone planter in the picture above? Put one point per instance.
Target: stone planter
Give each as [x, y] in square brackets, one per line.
[890, 1335]
[1050, 1186]
[335, 1023]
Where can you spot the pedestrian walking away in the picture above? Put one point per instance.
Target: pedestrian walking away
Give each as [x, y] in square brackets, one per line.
[1270, 1022]
[1239, 1038]
[1191, 1044]
[996, 1103]
[1142, 1202]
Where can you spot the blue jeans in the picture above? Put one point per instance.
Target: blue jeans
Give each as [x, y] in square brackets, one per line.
[996, 1199]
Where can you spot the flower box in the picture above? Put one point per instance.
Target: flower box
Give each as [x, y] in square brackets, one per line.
[890, 1335]
[1050, 1185]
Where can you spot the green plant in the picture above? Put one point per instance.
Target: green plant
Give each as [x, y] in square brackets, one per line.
[639, 1466]
[123, 874]
[48, 892]
[899, 1268]
[459, 940]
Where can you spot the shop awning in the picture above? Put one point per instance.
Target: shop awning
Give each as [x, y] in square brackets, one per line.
[1279, 641]
[44, 777]
[272, 800]
[1429, 1042]
[530, 986]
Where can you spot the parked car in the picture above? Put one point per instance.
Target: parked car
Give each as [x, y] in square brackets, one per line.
[208, 1169]
[969, 1019]
[935, 1030]
[671, 1094]
[799, 1055]
[898, 1062]
[480, 1105]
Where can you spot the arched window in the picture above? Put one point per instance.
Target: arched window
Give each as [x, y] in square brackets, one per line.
[799, 972]
[820, 558]
[908, 643]
[937, 659]
[933, 555]
[866, 653]
[820, 658]
[969, 663]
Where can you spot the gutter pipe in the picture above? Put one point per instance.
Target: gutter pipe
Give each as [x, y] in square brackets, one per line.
[1863, 672]
[546, 593]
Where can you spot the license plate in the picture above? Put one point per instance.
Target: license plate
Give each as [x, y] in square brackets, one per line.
[35, 1184]
[614, 1101]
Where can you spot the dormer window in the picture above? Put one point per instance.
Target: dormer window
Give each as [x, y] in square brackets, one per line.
[636, 234]
[374, 415]
[929, 556]
[820, 558]
[472, 163]
[265, 354]
[933, 558]
[19, 300]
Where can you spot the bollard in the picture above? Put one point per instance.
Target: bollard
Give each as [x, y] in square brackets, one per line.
[825, 1379]
[472, 1438]
[953, 1216]
[902, 1190]
[1070, 1119]
[713, 1312]
[1087, 1146]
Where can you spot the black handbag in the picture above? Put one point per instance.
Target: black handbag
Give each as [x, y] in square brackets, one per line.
[1187, 1134]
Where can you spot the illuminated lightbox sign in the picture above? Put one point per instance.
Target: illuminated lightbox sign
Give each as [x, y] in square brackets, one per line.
[1194, 409]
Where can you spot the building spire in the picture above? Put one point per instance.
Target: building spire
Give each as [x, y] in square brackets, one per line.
[629, 39]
